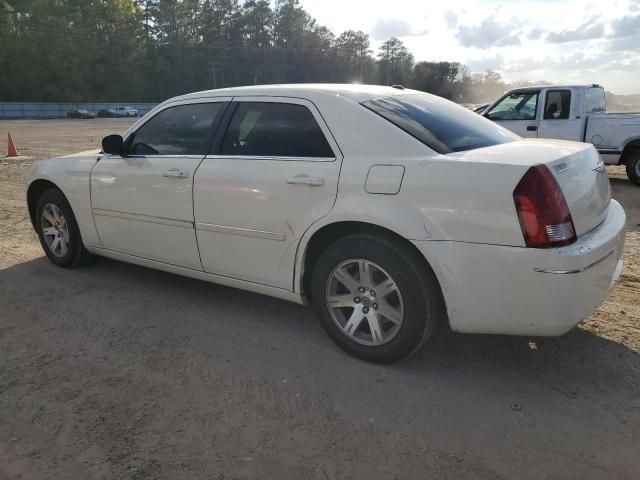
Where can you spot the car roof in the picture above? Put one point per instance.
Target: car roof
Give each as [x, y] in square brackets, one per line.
[355, 91]
[536, 87]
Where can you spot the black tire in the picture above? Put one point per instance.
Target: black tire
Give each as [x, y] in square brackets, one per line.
[633, 166]
[416, 282]
[76, 253]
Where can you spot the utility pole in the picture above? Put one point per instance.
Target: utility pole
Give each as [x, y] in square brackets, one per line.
[388, 64]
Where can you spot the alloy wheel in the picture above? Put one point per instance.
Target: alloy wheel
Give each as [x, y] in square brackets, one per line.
[55, 230]
[364, 302]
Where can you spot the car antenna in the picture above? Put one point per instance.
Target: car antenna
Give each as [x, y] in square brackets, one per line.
[398, 86]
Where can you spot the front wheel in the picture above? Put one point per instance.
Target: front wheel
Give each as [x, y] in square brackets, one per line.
[633, 167]
[376, 298]
[58, 230]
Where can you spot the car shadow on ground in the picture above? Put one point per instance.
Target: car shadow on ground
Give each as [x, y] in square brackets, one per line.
[628, 195]
[112, 367]
[129, 288]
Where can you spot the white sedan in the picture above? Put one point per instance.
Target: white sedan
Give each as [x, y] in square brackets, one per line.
[389, 210]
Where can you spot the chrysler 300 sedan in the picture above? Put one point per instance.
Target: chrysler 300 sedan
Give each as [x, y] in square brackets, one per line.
[387, 209]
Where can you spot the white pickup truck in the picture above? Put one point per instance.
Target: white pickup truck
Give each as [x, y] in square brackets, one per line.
[576, 112]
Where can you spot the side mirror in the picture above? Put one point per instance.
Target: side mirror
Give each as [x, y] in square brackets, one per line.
[113, 144]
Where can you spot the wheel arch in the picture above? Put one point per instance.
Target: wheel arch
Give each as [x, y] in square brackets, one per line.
[70, 175]
[35, 189]
[315, 242]
[631, 146]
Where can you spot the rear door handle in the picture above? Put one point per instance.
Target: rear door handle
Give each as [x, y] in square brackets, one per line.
[532, 128]
[175, 173]
[305, 180]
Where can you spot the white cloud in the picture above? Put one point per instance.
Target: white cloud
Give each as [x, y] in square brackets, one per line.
[489, 33]
[507, 36]
[587, 31]
[535, 34]
[486, 63]
[450, 18]
[387, 28]
[626, 26]
[628, 44]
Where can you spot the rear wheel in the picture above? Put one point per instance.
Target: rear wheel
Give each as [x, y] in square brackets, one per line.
[375, 297]
[633, 166]
[58, 230]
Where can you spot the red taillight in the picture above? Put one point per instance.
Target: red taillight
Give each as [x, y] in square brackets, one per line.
[542, 209]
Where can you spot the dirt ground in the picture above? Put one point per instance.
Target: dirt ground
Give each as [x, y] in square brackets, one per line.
[115, 371]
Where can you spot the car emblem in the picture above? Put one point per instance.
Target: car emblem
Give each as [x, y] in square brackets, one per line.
[599, 167]
[560, 167]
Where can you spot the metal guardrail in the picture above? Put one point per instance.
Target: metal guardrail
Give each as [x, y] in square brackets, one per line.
[17, 110]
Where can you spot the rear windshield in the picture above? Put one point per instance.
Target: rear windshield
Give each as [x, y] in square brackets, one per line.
[440, 124]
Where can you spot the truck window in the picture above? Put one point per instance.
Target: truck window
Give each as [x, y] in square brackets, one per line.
[557, 105]
[516, 106]
[594, 100]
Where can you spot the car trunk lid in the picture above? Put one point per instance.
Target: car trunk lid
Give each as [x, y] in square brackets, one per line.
[576, 167]
[583, 179]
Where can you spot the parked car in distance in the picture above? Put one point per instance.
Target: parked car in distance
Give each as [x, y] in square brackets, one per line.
[387, 209]
[126, 111]
[85, 114]
[575, 112]
[118, 112]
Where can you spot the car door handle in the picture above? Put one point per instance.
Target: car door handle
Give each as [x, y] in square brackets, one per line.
[532, 128]
[175, 173]
[305, 180]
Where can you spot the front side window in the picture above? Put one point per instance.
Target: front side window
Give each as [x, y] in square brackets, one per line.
[517, 106]
[275, 130]
[557, 105]
[440, 124]
[180, 130]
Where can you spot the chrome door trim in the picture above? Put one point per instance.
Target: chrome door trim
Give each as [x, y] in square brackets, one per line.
[136, 217]
[195, 157]
[267, 157]
[245, 232]
[577, 270]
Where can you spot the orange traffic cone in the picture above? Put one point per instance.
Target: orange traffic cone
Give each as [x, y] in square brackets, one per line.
[12, 152]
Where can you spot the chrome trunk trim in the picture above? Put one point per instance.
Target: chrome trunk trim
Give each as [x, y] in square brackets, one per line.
[578, 270]
[135, 217]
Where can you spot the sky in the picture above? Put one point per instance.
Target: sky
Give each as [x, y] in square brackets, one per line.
[559, 41]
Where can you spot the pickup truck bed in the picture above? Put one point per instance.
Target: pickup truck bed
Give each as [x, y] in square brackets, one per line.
[609, 132]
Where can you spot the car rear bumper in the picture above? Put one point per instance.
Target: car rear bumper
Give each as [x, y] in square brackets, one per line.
[526, 291]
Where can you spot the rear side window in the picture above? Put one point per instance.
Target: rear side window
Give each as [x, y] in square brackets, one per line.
[275, 130]
[595, 100]
[557, 105]
[440, 124]
[180, 130]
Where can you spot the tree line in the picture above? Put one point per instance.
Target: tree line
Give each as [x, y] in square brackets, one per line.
[149, 50]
